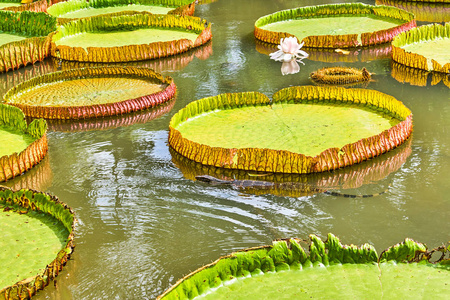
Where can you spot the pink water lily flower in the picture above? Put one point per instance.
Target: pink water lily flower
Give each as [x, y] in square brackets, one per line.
[289, 49]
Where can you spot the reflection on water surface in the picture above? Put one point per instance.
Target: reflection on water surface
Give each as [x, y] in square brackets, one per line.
[143, 224]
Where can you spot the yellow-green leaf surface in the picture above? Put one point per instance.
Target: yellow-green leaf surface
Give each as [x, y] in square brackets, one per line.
[8, 4]
[437, 49]
[92, 11]
[8, 38]
[346, 281]
[13, 141]
[338, 25]
[87, 91]
[28, 243]
[301, 128]
[125, 38]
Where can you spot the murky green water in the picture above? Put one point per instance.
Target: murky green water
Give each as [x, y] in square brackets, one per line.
[142, 224]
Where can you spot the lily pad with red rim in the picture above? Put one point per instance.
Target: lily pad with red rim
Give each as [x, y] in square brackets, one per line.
[335, 25]
[91, 92]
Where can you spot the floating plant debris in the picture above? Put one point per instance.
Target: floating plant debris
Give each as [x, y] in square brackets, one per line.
[23, 146]
[76, 9]
[32, 254]
[91, 92]
[128, 36]
[335, 25]
[24, 38]
[340, 75]
[303, 130]
[328, 270]
[425, 47]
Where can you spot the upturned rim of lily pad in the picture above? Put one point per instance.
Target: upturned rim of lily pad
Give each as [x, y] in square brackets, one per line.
[130, 52]
[283, 161]
[420, 34]
[37, 26]
[97, 110]
[286, 254]
[36, 6]
[336, 41]
[17, 163]
[49, 204]
[424, 11]
[179, 7]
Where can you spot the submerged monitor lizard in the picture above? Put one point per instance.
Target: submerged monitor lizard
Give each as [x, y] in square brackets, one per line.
[258, 184]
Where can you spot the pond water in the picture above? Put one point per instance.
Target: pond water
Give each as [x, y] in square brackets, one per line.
[143, 224]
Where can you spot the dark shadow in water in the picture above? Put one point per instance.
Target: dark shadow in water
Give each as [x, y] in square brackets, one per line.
[295, 185]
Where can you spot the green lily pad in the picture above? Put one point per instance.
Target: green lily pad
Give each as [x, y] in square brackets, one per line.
[8, 4]
[24, 38]
[303, 130]
[37, 240]
[76, 9]
[328, 270]
[335, 25]
[425, 47]
[128, 36]
[23, 146]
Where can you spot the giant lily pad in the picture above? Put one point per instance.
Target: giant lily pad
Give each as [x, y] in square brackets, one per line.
[335, 25]
[128, 37]
[329, 270]
[76, 9]
[24, 38]
[37, 240]
[23, 146]
[303, 130]
[91, 92]
[425, 47]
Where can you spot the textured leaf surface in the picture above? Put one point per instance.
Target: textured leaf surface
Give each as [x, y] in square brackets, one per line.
[302, 128]
[91, 11]
[87, 91]
[29, 242]
[13, 141]
[123, 38]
